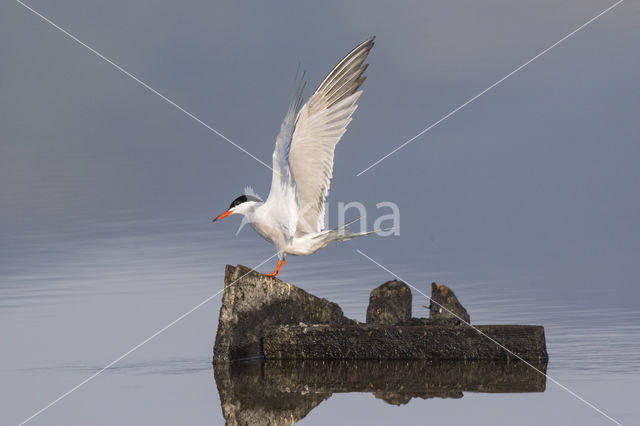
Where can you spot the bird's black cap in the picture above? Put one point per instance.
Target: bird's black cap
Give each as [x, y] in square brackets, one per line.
[243, 199]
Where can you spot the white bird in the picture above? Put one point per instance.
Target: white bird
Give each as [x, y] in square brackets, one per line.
[292, 218]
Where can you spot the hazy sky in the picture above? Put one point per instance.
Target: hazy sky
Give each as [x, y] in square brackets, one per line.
[543, 165]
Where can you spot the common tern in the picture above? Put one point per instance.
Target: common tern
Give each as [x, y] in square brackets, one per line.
[292, 217]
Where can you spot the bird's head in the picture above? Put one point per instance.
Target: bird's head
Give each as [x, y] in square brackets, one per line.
[241, 205]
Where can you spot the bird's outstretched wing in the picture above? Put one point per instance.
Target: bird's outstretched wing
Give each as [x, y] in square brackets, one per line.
[282, 200]
[318, 127]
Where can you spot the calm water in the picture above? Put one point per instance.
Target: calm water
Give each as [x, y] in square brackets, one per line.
[71, 302]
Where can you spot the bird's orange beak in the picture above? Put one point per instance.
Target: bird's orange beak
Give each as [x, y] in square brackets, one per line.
[225, 214]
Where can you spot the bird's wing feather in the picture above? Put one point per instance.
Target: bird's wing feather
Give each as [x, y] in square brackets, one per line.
[282, 201]
[318, 127]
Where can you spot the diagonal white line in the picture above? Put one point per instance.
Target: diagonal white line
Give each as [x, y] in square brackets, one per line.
[142, 83]
[496, 342]
[490, 87]
[138, 346]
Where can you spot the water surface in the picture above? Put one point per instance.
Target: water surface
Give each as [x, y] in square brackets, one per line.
[71, 303]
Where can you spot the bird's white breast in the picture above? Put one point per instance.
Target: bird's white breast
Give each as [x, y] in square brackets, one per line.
[269, 226]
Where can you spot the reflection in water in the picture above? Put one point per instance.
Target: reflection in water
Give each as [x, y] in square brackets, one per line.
[59, 291]
[283, 392]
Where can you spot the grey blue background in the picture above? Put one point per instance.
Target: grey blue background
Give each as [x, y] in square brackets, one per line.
[525, 202]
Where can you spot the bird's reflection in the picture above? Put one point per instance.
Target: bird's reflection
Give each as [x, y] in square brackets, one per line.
[283, 392]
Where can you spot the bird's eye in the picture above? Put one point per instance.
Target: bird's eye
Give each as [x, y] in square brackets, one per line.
[241, 199]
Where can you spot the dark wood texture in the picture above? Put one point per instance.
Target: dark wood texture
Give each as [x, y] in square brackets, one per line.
[430, 342]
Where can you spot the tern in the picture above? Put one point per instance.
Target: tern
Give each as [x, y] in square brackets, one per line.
[292, 217]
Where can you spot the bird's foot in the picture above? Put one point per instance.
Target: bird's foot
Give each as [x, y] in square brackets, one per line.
[274, 273]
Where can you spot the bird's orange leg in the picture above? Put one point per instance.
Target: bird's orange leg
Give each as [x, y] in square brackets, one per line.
[274, 273]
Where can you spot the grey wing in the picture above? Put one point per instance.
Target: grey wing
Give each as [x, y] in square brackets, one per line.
[319, 126]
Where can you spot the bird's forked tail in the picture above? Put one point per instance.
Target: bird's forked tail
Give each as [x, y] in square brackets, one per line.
[343, 234]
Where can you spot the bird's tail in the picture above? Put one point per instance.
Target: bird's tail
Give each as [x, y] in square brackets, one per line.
[312, 242]
[343, 234]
